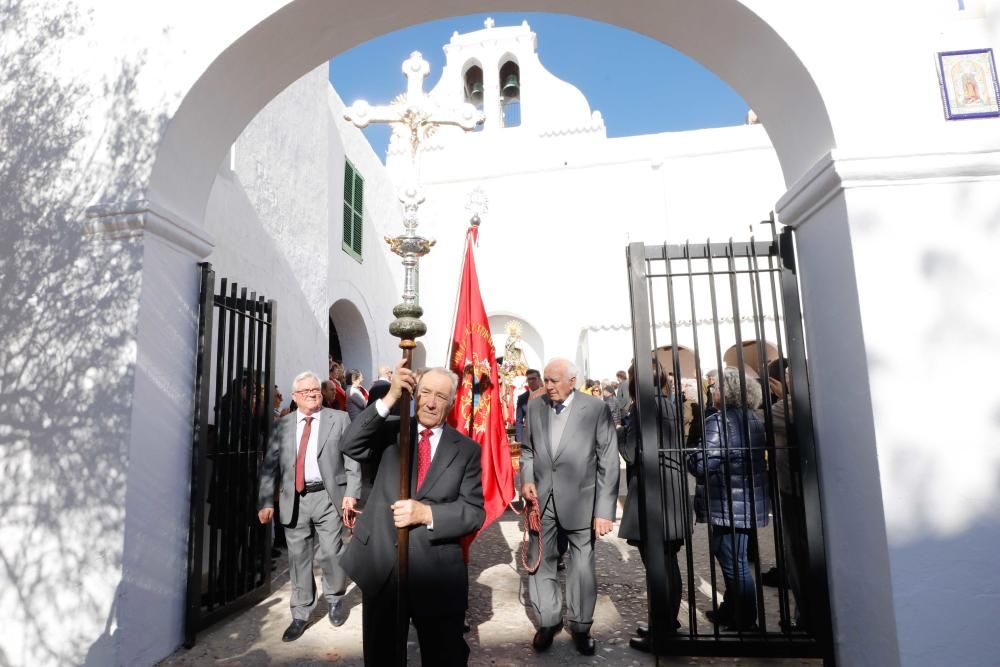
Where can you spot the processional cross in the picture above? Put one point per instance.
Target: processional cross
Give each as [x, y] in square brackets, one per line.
[416, 112]
[421, 116]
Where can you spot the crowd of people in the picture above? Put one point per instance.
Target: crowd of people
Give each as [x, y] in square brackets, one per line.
[337, 446]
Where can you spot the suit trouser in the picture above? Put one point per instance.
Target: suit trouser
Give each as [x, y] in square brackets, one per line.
[316, 520]
[441, 638]
[581, 578]
[794, 546]
[670, 550]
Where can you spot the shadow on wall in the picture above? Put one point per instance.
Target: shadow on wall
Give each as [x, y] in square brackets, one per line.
[66, 363]
[957, 563]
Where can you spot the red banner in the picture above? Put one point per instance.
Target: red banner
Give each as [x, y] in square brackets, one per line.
[478, 411]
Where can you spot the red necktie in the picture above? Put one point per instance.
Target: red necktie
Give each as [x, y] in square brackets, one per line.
[300, 459]
[423, 455]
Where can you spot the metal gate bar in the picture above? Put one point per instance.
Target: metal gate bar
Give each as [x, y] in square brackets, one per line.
[226, 453]
[742, 284]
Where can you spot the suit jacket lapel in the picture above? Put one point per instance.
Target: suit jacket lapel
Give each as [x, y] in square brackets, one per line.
[545, 431]
[325, 428]
[447, 450]
[290, 446]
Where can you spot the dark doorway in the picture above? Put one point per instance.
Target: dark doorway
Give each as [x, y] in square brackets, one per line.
[335, 351]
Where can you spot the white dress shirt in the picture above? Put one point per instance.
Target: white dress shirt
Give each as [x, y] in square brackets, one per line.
[557, 422]
[312, 447]
[435, 432]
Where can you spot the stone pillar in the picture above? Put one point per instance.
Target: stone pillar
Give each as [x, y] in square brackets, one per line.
[894, 257]
[146, 495]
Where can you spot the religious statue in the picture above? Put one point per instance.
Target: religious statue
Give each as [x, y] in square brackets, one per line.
[512, 369]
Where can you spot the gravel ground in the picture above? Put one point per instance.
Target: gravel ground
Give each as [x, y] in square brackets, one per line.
[501, 621]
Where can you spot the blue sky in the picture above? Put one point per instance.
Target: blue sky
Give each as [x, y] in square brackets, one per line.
[639, 85]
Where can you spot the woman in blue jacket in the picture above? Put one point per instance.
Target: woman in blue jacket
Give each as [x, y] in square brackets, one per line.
[731, 494]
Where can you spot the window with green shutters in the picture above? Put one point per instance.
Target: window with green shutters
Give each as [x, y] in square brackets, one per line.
[354, 197]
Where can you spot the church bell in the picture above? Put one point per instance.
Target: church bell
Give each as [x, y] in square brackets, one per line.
[476, 93]
[511, 88]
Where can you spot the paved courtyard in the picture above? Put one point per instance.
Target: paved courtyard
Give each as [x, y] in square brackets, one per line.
[501, 620]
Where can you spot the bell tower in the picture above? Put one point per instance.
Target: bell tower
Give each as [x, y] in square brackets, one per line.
[497, 70]
[526, 108]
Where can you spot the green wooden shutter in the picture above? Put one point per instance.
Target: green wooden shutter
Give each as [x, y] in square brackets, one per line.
[353, 222]
[359, 207]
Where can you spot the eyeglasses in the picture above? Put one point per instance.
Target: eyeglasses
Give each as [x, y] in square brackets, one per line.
[308, 392]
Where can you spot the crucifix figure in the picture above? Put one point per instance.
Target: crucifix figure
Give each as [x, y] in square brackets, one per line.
[415, 109]
[416, 112]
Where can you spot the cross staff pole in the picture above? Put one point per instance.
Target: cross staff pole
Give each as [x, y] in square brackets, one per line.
[421, 116]
[407, 327]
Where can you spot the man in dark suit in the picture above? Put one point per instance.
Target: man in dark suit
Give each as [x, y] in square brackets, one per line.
[569, 466]
[446, 504]
[675, 507]
[621, 395]
[380, 387]
[316, 482]
[533, 382]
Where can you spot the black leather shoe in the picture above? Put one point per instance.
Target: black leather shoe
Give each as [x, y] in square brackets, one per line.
[771, 578]
[642, 630]
[338, 614]
[294, 631]
[640, 644]
[729, 623]
[746, 627]
[718, 618]
[585, 644]
[543, 638]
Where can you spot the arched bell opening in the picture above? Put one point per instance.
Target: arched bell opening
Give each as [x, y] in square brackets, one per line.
[510, 94]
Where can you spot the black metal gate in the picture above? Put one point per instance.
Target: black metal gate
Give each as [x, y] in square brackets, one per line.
[229, 559]
[748, 475]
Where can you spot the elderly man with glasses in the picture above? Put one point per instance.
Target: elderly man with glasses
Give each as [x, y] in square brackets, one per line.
[316, 483]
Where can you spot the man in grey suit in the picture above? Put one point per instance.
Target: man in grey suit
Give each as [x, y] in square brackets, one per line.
[316, 482]
[569, 466]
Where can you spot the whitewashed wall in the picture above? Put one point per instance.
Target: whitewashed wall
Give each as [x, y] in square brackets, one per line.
[375, 284]
[277, 221]
[135, 107]
[566, 227]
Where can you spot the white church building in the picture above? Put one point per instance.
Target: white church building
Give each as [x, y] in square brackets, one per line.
[139, 140]
[562, 202]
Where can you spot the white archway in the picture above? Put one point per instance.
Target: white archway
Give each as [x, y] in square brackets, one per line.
[533, 345]
[355, 342]
[725, 36]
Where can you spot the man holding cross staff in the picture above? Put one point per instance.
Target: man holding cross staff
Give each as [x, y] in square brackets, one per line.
[445, 504]
[406, 553]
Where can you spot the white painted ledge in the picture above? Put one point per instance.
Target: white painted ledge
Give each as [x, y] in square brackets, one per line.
[143, 217]
[836, 172]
